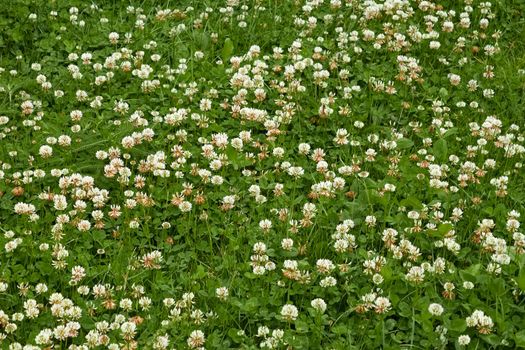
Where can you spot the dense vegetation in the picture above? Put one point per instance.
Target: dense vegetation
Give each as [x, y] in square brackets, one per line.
[243, 174]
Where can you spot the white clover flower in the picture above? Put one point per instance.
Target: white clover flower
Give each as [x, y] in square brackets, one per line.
[289, 312]
[287, 244]
[382, 305]
[83, 225]
[434, 45]
[464, 340]
[185, 206]
[319, 304]
[324, 266]
[265, 225]
[328, 282]
[113, 37]
[435, 309]
[222, 293]
[45, 151]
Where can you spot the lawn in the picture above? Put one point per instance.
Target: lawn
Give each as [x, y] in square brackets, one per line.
[262, 174]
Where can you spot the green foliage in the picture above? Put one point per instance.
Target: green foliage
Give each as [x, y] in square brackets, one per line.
[262, 174]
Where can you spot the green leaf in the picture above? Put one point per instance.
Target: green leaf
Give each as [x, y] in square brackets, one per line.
[227, 49]
[445, 228]
[450, 132]
[405, 310]
[492, 339]
[390, 324]
[443, 92]
[404, 143]
[301, 326]
[234, 334]
[412, 202]
[440, 149]
[98, 235]
[340, 329]
[386, 272]
[496, 286]
[458, 325]
[520, 339]
[200, 273]
[470, 273]
[251, 304]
